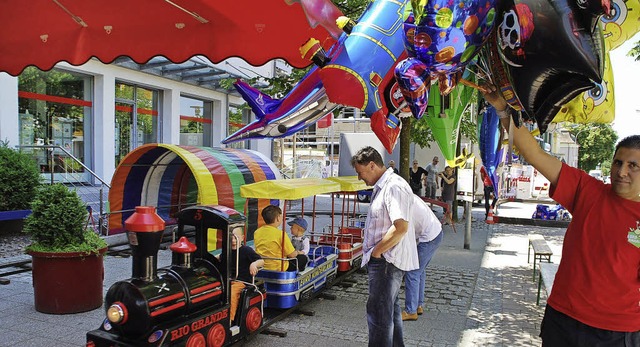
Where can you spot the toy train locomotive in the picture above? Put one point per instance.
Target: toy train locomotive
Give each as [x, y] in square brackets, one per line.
[188, 302]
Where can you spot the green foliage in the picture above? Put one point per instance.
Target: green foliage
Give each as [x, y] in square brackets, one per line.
[635, 51]
[58, 222]
[19, 179]
[597, 143]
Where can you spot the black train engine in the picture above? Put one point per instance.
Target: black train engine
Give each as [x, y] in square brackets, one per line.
[186, 303]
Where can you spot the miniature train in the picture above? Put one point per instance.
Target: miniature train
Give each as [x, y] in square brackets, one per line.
[188, 302]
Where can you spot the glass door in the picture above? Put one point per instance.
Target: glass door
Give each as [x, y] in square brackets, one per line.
[136, 118]
[124, 130]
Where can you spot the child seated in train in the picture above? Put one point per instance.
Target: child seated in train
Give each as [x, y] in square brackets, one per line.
[271, 242]
[248, 264]
[299, 241]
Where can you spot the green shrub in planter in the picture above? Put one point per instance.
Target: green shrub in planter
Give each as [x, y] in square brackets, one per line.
[58, 222]
[19, 179]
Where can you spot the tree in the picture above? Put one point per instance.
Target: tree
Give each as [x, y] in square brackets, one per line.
[597, 143]
[635, 51]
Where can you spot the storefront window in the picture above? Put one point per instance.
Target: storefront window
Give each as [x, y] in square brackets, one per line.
[54, 109]
[195, 122]
[136, 118]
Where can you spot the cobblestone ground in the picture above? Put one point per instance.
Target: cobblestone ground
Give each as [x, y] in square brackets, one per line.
[343, 321]
[490, 305]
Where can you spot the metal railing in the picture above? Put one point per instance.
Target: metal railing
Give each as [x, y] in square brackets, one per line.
[60, 166]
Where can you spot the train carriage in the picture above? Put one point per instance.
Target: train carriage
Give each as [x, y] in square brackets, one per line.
[347, 238]
[285, 289]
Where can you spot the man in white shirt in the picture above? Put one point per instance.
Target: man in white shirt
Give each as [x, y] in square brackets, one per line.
[389, 246]
[428, 231]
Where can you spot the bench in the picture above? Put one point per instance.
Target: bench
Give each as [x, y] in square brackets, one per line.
[547, 275]
[541, 251]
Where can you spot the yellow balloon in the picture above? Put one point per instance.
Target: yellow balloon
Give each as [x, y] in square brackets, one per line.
[597, 105]
[622, 23]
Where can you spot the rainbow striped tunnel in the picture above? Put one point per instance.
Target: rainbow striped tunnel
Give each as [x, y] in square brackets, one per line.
[172, 177]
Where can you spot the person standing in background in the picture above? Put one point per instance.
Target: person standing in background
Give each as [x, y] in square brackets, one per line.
[432, 181]
[428, 232]
[416, 174]
[488, 190]
[448, 181]
[392, 165]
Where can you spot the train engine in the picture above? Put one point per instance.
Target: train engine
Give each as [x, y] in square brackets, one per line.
[186, 303]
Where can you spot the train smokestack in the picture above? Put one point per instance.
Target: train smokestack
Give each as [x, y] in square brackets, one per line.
[181, 252]
[144, 231]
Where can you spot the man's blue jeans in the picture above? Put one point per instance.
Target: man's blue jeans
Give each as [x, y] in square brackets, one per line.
[384, 314]
[414, 280]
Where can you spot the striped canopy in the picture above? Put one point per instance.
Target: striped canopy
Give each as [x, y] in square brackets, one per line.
[172, 177]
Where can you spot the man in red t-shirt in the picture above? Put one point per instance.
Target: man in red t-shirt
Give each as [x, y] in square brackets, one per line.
[595, 299]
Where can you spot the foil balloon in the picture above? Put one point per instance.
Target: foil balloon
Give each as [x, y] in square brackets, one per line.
[356, 71]
[489, 142]
[321, 12]
[622, 22]
[596, 105]
[552, 51]
[441, 38]
[305, 104]
[445, 121]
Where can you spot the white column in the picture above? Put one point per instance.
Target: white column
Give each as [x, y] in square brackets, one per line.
[9, 130]
[220, 121]
[264, 146]
[104, 125]
[170, 117]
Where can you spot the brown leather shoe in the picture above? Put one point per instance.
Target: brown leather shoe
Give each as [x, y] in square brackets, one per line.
[420, 310]
[409, 316]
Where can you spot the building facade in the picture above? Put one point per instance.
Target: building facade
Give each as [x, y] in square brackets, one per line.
[100, 112]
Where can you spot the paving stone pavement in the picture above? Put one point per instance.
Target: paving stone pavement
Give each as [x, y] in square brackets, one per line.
[482, 296]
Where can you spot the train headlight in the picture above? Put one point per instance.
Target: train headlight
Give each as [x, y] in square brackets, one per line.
[117, 313]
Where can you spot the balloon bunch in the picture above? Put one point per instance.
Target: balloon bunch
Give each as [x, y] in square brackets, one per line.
[540, 53]
[441, 38]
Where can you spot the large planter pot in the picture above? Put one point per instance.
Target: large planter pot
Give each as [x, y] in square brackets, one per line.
[67, 282]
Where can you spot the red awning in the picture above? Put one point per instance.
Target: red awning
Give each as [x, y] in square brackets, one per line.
[45, 32]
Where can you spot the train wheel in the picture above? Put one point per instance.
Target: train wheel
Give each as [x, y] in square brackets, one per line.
[196, 340]
[216, 336]
[254, 319]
